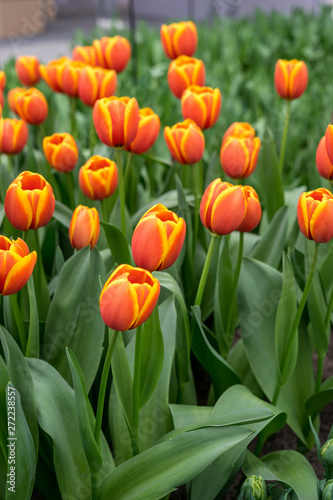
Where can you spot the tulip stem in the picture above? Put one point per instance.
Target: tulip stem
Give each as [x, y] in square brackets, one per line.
[136, 391]
[102, 388]
[121, 187]
[284, 136]
[18, 321]
[73, 120]
[204, 274]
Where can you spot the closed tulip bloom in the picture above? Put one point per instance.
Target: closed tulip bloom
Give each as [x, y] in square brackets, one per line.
[98, 178]
[158, 238]
[70, 76]
[252, 212]
[242, 130]
[290, 78]
[31, 105]
[96, 83]
[185, 141]
[13, 135]
[329, 142]
[86, 54]
[183, 72]
[239, 156]
[112, 52]
[315, 215]
[2, 80]
[52, 73]
[179, 39]
[29, 201]
[116, 120]
[128, 297]
[84, 228]
[201, 104]
[27, 69]
[12, 98]
[16, 265]
[61, 151]
[149, 128]
[324, 165]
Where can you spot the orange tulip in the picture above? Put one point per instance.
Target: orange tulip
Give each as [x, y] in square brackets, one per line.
[158, 238]
[149, 127]
[61, 151]
[128, 297]
[13, 135]
[324, 165]
[183, 72]
[329, 142]
[201, 104]
[116, 120]
[290, 78]
[315, 215]
[112, 52]
[86, 54]
[242, 130]
[29, 104]
[12, 98]
[2, 102]
[96, 83]
[16, 265]
[52, 73]
[179, 39]
[2, 80]
[239, 155]
[29, 201]
[98, 178]
[185, 141]
[27, 69]
[84, 228]
[252, 212]
[70, 76]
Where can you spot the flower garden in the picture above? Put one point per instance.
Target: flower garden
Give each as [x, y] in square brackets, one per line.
[166, 263]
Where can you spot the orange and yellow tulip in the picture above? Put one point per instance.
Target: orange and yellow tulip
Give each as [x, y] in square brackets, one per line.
[27, 69]
[116, 120]
[242, 130]
[52, 73]
[239, 154]
[2, 80]
[290, 78]
[185, 141]
[128, 297]
[324, 165]
[13, 135]
[29, 201]
[183, 72]
[148, 130]
[2, 102]
[158, 238]
[179, 39]
[252, 212]
[201, 104]
[96, 83]
[61, 151]
[329, 142]
[112, 52]
[12, 98]
[70, 75]
[30, 104]
[315, 215]
[86, 54]
[84, 228]
[16, 265]
[98, 178]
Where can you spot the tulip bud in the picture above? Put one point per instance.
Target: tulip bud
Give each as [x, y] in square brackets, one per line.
[239, 156]
[29, 201]
[328, 490]
[112, 52]
[27, 69]
[148, 130]
[327, 452]
[128, 297]
[179, 39]
[98, 178]
[290, 78]
[96, 83]
[29, 104]
[16, 265]
[84, 228]
[61, 151]
[254, 487]
[158, 238]
[315, 215]
[324, 166]
[2, 80]
[329, 142]
[86, 54]
[13, 135]
[185, 141]
[201, 104]
[70, 76]
[183, 72]
[52, 71]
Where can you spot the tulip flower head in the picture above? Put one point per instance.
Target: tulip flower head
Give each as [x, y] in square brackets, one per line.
[241, 130]
[128, 297]
[239, 152]
[2, 102]
[112, 52]
[85, 54]
[183, 72]
[315, 215]
[95, 83]
[179, 39]
[2, 80]
[185, 141]
[148, 130]
[158, 238]
[98, 178]
[29, 201]
[13, 135]
[324, 165]
[70, 76]
[27, 69]
[329, 142]
[12, 98]
[84, 228]
[30, 104]
[61, 151]
[52, 73]
[201, 104]
[16, 265]
[290, 78]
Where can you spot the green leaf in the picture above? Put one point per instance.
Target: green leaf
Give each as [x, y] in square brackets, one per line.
[32, 350]
[62, 214]
[318, 401]
[117, 243]
[238, 361]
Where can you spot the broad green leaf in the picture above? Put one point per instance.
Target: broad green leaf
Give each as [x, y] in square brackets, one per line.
[33, 332]
[117, 244]
[238, 361]
[62, 214]
[189, 415]
[318, 401]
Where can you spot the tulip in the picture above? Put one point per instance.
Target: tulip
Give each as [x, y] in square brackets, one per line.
[241, 130]
[112, 52]
[70, 76]
[328, 490]
[179, 39]
[324, 165]
[98, 178]
[86, 54]
[84, 228]
[315, 215]
[30, 105]
[329, 142]
[148, 130]
[61, 151]
[128, 297]
[2, 102]
[13, 135]
[27, 69]
[290, 78]
[116, 120]
[16, 265]
[185, 141]
[252, 212]
[201, 104]
[52, 73]
[96, 83]
[254, 488]
[29, 201]
[158, 238]
[183, 72]
[12, 98]
[239, 156]
[326, 452]
[2, 80]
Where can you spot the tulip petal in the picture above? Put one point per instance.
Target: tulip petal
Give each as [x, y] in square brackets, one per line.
[149, 256]
[18, 208]
[19, 274]
[321, 226]
[228, 211]
[118, 305]
[148, 306]
[175, 244]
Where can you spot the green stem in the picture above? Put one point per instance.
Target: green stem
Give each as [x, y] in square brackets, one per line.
[102, 388]
[128, 166]
[121, 187]
[136, 391]
[205, 270]
[284, 136]
[73, 120]
[18, 321]
[234, 289]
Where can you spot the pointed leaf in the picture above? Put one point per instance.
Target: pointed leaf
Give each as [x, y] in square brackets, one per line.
[117, 243]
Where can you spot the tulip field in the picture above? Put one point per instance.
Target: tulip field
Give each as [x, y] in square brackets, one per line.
[166, 263]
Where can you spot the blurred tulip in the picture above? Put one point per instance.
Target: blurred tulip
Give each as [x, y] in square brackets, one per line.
[149, 128]
[16, 265]
[252, 212]
[179, 39]
[61, 151]
[201, 104]
[2, 80]
[27, 69]
[52, 73]
[116, 120]
[2, 102]
[30, 105]
[12, 98]
[84, 228]
[329, 142]
[315, 215]
[185, 141]
[183, 72]
[290, 78]
[13, 135]
[324, 166]
[242, 130]
[128, 297]
[70, 76]
[112, 52]
[86, 54]
[98, 178]
[29, 201]
[158, 238]
[239, 155]
[96, 83]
